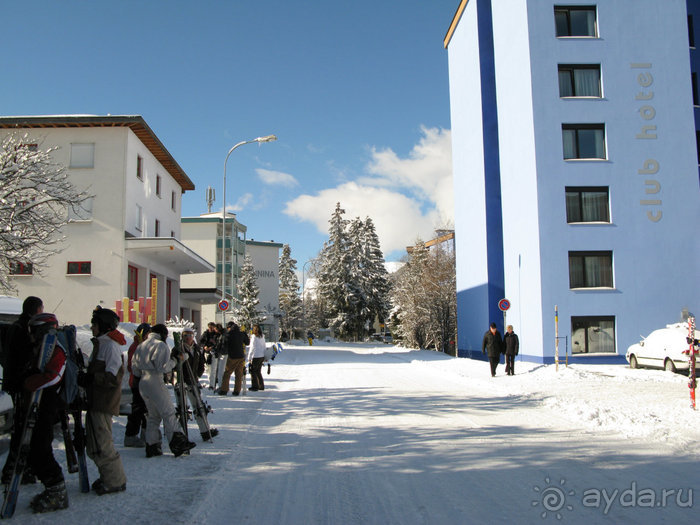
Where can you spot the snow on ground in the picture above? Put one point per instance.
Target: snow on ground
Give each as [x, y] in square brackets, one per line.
[364, 434]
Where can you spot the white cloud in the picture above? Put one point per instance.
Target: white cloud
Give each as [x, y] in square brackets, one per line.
[276, 178]
[407, 198]
[240, 204]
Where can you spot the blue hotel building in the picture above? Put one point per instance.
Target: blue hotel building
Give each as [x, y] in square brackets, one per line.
[575, 161]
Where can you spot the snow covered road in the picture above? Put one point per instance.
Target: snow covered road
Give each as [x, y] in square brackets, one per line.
[359, 434]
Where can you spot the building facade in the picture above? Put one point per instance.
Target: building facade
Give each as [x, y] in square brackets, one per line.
[265, 256]
[125, 243]
[576, 165]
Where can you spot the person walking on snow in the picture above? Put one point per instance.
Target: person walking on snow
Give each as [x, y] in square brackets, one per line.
[234, 343]
[151, 360]
[103, 381]
[494, 345]
[511, 344]
[257, 356]
[136, 421]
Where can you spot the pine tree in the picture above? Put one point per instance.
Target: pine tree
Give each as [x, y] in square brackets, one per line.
[376, 282]
[246, 312]
[290, 302]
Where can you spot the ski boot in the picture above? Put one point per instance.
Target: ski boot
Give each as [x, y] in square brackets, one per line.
[212, 432]
[55, 497]
[154, 450]
[180, 445]
[99, 487]
[134, 441]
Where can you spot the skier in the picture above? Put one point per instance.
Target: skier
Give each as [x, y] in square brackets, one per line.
[310, 337]
[208, 342]
[41, 459]
[234, 343]
[103, 384]
[151, 360]
[20, 359]
[195, 358]
[136, 421]
[218, 358]
[511, 345]
[257, 356]
[493, 343]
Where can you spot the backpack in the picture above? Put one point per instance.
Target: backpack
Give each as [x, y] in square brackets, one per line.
[74, 364]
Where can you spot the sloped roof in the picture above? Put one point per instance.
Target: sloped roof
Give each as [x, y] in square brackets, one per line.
[134, 122]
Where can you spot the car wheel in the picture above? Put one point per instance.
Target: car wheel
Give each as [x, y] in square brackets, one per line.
[669, 366]
[633, 361]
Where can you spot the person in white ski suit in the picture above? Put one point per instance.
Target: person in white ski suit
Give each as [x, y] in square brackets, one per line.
[151, 360]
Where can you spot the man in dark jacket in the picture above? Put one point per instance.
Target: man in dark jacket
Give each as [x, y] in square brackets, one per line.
[511, 344]
[492, 344]
[234, 345]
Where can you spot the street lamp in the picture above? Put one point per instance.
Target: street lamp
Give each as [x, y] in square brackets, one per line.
[267, 138]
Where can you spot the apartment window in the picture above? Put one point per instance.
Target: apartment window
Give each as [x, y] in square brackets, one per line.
[579, 80]
[139, 167]
[593, 334]
[694, 85]
[80, 212]
[79, 268]
[587, 204]
[590, 269]
[583, 141]
[133, 282]
[173, 201]
[139, 218]
[691, 31]
[19, 268]
[158, 185]
[82, 155]
[157, 228]
[573, 20]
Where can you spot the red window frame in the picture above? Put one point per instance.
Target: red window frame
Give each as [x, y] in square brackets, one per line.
[20, 268]
[133, 282]
[79, 268]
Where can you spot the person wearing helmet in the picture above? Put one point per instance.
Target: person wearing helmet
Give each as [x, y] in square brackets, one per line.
[195, 358]
[151, 360]
[41, 458]
[20, 359]
[103, 384]
[136, 420]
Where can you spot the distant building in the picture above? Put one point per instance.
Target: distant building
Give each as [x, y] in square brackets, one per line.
[575, 161]
[127, 237]
[265, 257]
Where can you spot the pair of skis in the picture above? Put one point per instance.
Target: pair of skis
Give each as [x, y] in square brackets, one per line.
[186, 381]
[75, 447]
[692, 352]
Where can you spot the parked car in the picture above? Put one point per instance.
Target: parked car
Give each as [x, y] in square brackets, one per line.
[663, 348]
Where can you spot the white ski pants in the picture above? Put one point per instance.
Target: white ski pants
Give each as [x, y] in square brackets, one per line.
[160, 407]
[216, 371]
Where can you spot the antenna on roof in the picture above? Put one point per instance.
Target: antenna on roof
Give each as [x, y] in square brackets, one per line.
[211, 197]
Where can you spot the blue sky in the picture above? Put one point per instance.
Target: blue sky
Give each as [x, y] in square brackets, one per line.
[357, 93]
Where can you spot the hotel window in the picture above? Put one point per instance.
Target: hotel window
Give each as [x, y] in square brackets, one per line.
[82, 155]
[691, 31]
[133, 282]
[579, 80]
[587, 204]
[79, 268]
[80, 212]
[593, 334]
[583, 141]
[573, 20]
[157, 228]
[139, 167]
[590, 269]
[139, 218]
[18, 268]
[158, 185]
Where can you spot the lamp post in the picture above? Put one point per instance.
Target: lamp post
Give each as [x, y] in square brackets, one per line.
[268, 138]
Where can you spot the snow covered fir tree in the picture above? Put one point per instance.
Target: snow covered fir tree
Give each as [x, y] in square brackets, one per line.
[246, 312]
[353, 285]
[290, 302]
[36, 201]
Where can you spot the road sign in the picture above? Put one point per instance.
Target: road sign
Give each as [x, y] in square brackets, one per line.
[503, 305]
[223, 305]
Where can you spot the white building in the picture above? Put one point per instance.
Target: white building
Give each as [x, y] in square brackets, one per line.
[576, 171]
[128, 237]
[265, 256]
